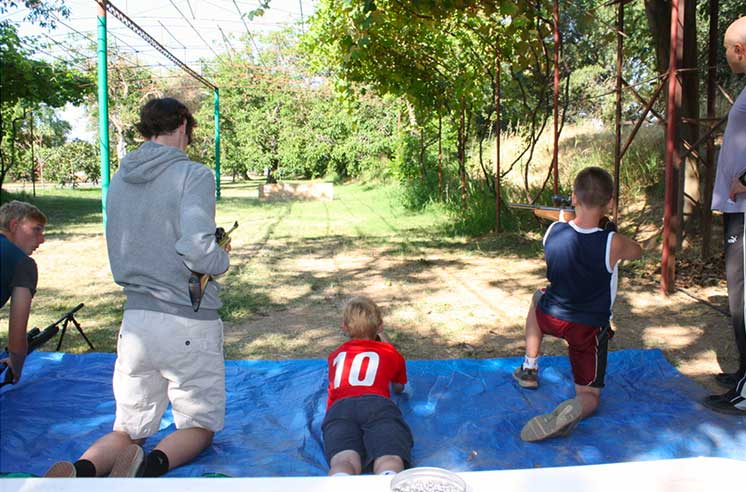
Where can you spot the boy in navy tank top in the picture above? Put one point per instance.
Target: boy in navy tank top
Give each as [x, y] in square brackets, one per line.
[364, 429]
[582, 258]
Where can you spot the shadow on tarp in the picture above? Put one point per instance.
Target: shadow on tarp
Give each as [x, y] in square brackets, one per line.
[466, 415]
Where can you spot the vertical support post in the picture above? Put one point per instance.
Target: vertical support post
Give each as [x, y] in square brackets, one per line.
[712, 51]
[498, 183]
[671, 217]
[618, 115]
[103, 107]
[440, 156]
[217, 143]
[33, 161]
[555, 151]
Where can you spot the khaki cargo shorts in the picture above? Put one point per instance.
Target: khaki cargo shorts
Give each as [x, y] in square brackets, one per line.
[163, 358]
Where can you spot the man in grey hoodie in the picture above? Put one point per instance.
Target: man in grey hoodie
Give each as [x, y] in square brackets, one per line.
[161, 227]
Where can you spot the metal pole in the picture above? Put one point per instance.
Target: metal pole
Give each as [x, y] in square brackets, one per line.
[555, 152]
[33, 161]
[618, 116]
[497, 139]
[671, 219]
[217, 143]
[712, 50]
[103, 108]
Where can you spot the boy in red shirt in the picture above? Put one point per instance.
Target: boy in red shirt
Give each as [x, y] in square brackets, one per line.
[362, 426]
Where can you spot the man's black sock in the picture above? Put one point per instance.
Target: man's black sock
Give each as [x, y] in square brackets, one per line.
[84, 468]
[156, 464]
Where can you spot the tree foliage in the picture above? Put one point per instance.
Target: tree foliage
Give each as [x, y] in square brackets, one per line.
[70, 163]
[27, 83]
[277, 117]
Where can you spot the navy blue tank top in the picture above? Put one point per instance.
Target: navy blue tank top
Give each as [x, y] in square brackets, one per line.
[582, 282]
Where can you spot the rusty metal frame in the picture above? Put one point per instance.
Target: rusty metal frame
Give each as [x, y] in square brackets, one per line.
[674, 140]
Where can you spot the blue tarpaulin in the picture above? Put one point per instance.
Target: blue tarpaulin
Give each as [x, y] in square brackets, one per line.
[465, 415]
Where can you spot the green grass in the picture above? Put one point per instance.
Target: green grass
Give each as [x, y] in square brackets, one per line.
[272, 237]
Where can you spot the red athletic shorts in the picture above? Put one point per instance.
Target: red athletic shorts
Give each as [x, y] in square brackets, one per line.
[588, 347]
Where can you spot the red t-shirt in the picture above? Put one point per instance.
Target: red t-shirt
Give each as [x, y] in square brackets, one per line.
[364, 367]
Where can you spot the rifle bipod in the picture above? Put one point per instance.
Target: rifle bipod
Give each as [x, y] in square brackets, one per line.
[68, 317]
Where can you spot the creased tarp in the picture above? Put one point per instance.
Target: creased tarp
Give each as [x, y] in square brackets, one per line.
[465, 415]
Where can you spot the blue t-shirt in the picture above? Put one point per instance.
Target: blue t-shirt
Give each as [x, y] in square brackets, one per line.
[582, 282]
[17, 269]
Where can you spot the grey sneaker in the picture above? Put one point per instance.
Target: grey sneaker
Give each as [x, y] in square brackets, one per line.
[61, 469]
[560, 422]
[527, 378]
[129, 463]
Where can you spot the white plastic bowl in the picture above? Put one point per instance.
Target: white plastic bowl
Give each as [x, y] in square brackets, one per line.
[427, 479]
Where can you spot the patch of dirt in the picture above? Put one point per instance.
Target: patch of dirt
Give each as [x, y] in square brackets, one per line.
[463, 302]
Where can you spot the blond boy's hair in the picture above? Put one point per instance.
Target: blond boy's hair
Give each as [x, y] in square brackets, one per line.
[362, 317]
[17, 210]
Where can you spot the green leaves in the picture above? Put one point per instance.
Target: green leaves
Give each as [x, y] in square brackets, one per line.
[35, 81]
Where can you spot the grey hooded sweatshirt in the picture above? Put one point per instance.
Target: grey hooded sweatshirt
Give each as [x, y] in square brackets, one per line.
[161, 226]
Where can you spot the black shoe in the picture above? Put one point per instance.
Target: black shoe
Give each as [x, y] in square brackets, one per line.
[729, 403]
[727, 379]
[527, 378]
[715, 398]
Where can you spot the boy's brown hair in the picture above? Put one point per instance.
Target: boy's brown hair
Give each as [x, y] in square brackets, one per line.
[362, 317]
[161, 116]
[17, 210]
[593, 187]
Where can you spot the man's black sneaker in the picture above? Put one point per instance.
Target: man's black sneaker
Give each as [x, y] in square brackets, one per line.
[727, 379]
[527, 378]
[729, 403]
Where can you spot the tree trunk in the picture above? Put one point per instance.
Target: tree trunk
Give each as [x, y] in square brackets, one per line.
[658, 13]
[440, 157]
[462, 151]
[422, 155]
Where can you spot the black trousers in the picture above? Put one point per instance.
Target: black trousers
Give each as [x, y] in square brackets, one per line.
[735, 269]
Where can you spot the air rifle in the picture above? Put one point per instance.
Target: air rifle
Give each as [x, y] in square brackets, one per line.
[563, 214]
[562, 211]
[35, 338]
[198, 281]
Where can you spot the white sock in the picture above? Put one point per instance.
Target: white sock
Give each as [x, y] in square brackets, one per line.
[387, 472]
[530, 362]
[341, 474]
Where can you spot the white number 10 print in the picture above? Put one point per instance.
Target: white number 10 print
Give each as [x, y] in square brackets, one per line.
[354, 378]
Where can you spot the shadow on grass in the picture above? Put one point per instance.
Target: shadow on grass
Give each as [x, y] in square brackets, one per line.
[64, 209]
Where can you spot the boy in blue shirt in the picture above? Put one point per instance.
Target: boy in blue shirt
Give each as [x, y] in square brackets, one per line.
[582, 267]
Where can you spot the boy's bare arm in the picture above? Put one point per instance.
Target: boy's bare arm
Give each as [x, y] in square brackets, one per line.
[397, 388]
[623, 248]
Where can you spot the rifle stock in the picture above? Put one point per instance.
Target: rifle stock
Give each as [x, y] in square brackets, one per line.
[198, 281]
